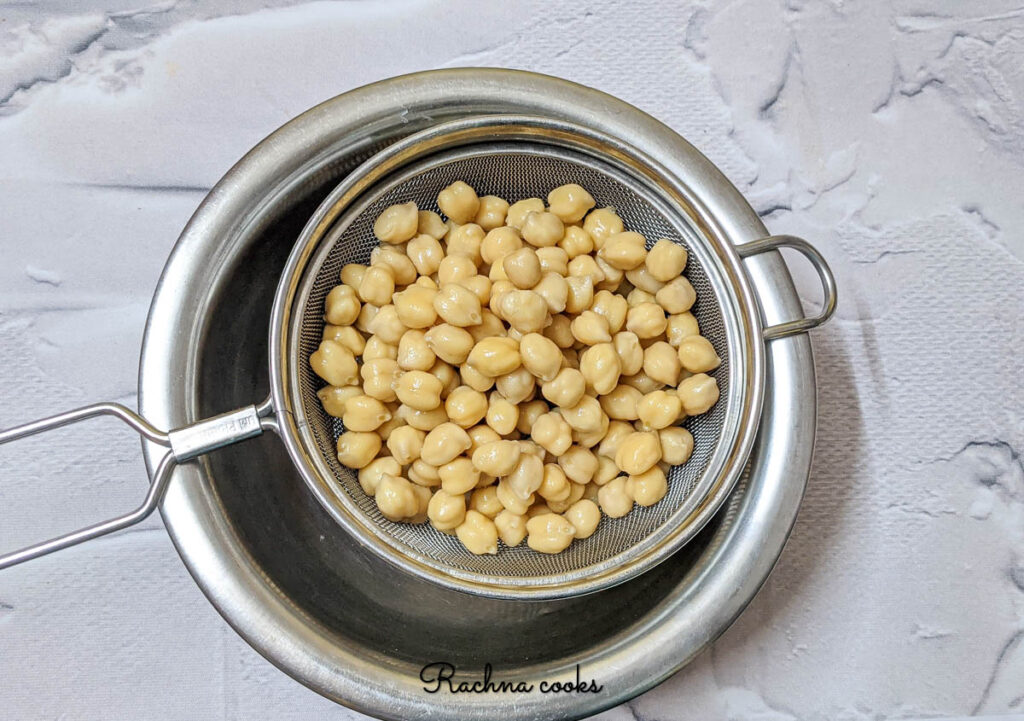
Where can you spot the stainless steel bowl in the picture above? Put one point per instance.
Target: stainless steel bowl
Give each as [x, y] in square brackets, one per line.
[335, 616]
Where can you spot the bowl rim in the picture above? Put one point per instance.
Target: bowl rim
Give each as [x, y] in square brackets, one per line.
[757, 518]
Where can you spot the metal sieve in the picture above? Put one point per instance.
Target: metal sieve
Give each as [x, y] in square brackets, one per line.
[514, 157]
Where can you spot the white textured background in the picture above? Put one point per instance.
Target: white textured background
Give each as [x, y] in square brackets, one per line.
[888, 132]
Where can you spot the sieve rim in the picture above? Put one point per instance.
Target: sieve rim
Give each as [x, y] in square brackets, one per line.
[746, 367]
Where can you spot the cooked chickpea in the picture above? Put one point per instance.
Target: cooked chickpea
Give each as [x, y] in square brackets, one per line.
[638, 296]
[528, 415]
[371, 474]
[502, 415]
[612, 276]
[517, 386]
[426, 254]
[387, 324]
[491, 213]
[402, 269]
[659, 409]
[378, 378]
[581, 293]
[414, 354]
[419, 390]
[458, 476]
[606, 470]
[517, 212]
[677, 296]
[554, 485]
[397, 224]
[585, 265]
[585, 416]
[638, 452]
[560, 330]
[499, 289]
[601, 224]
[448, 376]
[590, 438]
[423, 474]
[510, 500]
[499, 242]
[334, 363]
[579, 464]
[576, 242]
[495, 356]
[356, 449]
[457, 305]
[366, 315]
[584, 515]
[522, 268]
[376, 348]
[455, 268]
[614, 499]
[552, 433]
[649, 487]
[341, 306]
[601, 367]
[646, 320]
[524, 310]
[447, 342]
[612, 307]
[396, 498]
[363, 413]
[479, 435]
[566, 388]
[549, 533]
[497, 458]
[444, 443]
[423, 420]
[465, 406]
[642, 280]
[406, 444]
[589, 328]
[475, 379]
[478, 533]
[676, 445]
[698, 393]
[429, 223]
[625, 250]
[666, 260]
[352, 275]
[511, 528]
[570, 202]
[465, 240]
[446, 511]
[631, 353]
[542, 229]
[459, 202]
[489, 326]
[553, 260]
[622, 403]
[478, 285]
[554, 289]
[347, 336]
[697, 355]
[541, 356]
[680, 326]
[661, 363]
[642, 382]
[333, 398]
[485, 501]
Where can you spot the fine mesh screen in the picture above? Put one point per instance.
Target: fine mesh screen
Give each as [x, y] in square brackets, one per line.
[513, 176]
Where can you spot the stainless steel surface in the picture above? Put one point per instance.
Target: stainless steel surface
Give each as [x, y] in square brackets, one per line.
[332, 614]
[828, 282]
[517, 157]
[212, 433]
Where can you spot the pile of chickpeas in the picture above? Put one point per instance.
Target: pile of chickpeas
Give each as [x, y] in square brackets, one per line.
[515, 371]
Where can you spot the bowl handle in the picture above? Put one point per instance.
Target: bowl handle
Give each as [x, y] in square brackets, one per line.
[828, 282]
[185, 444]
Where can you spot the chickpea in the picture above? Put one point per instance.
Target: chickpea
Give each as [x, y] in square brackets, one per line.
[601, 224]
[642, 280]
[457, 305]
[495, 357]
[585, 265]
[659, 409]
[425, 253]
[502, 415]
[554, 289]
[646, 320]
[590, 438]
[489, 326]
[465, 406]
[612, 276]
[475, 379]
[638, 296]
[334, 363]
[589, 328]
[485, 501]
[553, 260]
[397, 224]
[444, 443]
[455, 268]
[549, 533]
[631, 354]
[570, 202]
[579, 464]
[666, 260]
[678, 296]
[424, 282]
[479, 435]
[510, 501]
[661, 363]
[649, 487]
[511, 528]
[499, 289]
[612, 307]
[370, 475]
[499, 242]
[363, 413]
[542, 229]
[413, 352]
[638, 452]
[352, 275]
[333, 398]
[402, 269]
[385, 429]
[614, 499]
[552, 433]
[429, 223]
[576, 242]
[606, 470]
[423, 474]
[681, 325]
[376, 348]
[459, 202]
[566, 388]
[366, 315]
[497, 458]
[465, 240]
[458, 476]
[491, 213]
[378, 378]
[447, 342]
[613, 437]
[448, 376]
[522, 268]
[517, 212]
[585, 416]
[600, 366]
[624, 250]
[541, 356]
[517, 386]
[341, 306]
[525, 311]
[528, 415]
[406, 444]
[423, 420]
[698, 393]
[554, 485]
[446, 511]
[356, 449]
[676, 445]
[414, 308]
[387, 324]
[560, 330]
[697, 355]
[621, 403]
[396, 498]
[347, 336]
[642, 382]
[581, 293]
[584, 515]
[478, 533]
[419, 390]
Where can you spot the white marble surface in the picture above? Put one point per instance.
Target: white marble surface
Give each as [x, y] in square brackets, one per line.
[889, 132]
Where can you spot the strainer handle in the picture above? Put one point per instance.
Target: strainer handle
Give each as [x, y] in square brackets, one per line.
[828, 282]
[185, 444]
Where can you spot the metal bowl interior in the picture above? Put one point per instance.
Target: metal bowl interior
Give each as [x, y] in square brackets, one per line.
[333, 615]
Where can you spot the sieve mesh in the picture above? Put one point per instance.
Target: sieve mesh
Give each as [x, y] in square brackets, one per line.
[512, 175]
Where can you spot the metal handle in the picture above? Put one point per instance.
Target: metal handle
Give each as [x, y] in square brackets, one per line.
[828, 282]
[184, 443]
